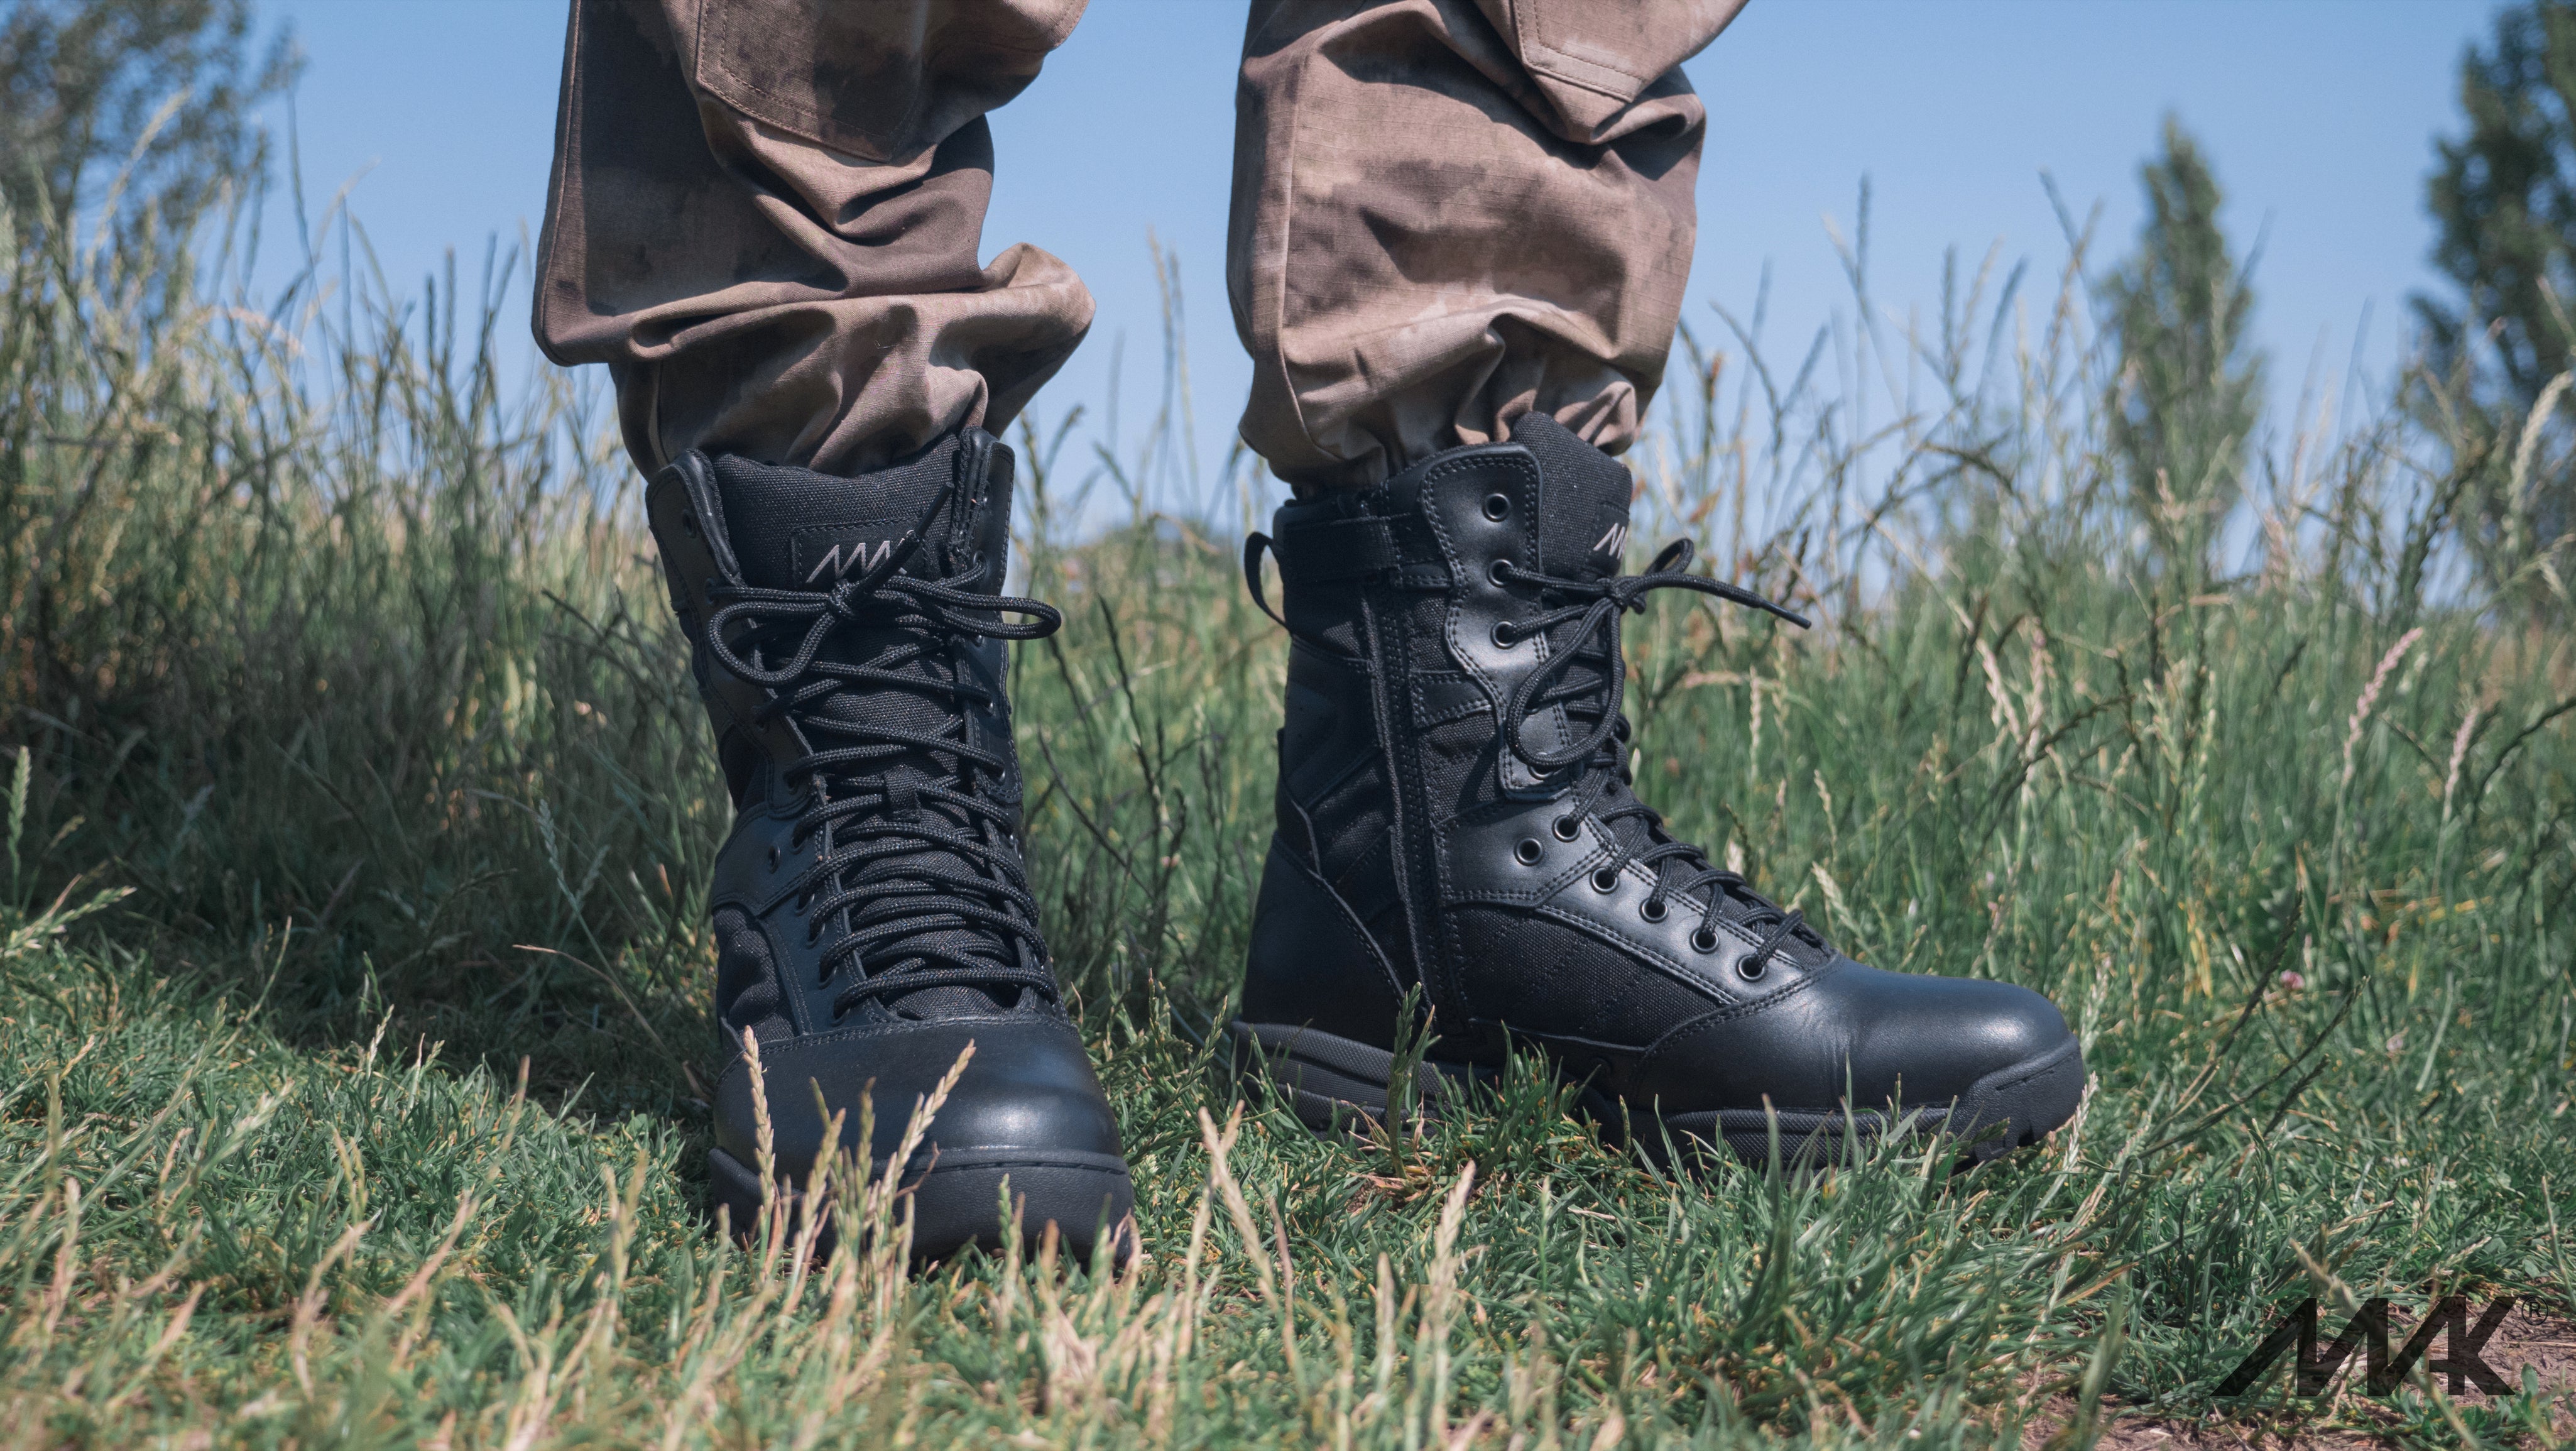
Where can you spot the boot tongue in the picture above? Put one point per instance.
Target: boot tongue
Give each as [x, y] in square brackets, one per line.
[793, 528]
[796, 529]
[1583, 509]
[1582, 529]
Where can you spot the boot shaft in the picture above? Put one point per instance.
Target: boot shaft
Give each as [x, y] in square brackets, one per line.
[1403, 667]
[848, 640]
[1417, 580]
[1453, 792]
[729, 522]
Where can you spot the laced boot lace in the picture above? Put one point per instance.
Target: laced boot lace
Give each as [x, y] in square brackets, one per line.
[1599, 759]
[919, 873]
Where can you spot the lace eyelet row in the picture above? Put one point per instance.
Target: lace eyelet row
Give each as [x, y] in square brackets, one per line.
[1605, 880]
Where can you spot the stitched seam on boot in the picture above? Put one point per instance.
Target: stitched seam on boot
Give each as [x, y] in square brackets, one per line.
[1359, 930]
[1721, 1017]
[2047, 1061]
[1536, 895]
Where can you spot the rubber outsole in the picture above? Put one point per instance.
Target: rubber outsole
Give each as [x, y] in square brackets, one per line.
[1330, 1082]
[957, 1198]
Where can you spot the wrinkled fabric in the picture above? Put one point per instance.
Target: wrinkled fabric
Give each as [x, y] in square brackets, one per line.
[764, 217]
[1447, 214]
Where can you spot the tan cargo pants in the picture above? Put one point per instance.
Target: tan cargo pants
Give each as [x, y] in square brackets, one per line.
[764, 214]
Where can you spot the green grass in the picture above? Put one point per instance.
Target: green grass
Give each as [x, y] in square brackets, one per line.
[354, 1026]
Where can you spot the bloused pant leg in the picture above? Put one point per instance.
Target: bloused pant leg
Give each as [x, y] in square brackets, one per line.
[764, 217]
[1449, 212]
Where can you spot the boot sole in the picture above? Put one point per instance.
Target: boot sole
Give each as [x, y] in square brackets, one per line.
[1331, 1083]
[957, 1201]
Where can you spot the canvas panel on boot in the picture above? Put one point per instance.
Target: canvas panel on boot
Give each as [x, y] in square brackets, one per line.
[871, 914]
[1454, 812]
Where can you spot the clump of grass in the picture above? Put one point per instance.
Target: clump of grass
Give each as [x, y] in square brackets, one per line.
[370, 1110]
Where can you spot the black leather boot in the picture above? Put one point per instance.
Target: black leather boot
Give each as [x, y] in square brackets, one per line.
[1455, 815]
[871, 916]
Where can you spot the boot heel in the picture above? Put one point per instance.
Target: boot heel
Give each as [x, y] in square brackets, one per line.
[1330, 1082]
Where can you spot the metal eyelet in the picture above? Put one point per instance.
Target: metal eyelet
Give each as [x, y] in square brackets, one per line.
[1566, 828]
[689, 524]
[1652, 910]
[1502, 635]
[1605, 880]
[1497, 508]
[1529, 851]
[1751, 969]
[773, 858]
[1704, 940]
[1494, 571]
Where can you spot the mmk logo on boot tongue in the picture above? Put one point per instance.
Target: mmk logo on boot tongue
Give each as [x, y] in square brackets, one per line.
[825, 554]
[1609, 539]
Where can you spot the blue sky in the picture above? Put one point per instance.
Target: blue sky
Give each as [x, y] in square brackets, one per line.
[2318, 113]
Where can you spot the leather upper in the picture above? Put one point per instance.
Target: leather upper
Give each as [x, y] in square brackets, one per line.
[1029, 1084]
[1415, 846]
[1924, 1040]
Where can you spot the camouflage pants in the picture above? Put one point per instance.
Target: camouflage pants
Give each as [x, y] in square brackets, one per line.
[764, 216]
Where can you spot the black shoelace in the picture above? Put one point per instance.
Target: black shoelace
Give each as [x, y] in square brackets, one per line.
[1594, 611]
[921, 894]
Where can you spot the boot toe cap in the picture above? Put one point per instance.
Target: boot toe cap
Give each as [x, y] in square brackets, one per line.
[1933, 1038]
[1029, 1087]
[1857, 1033]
